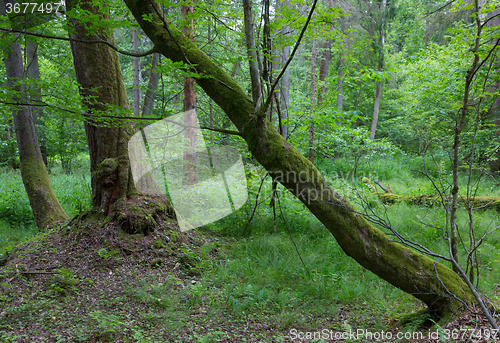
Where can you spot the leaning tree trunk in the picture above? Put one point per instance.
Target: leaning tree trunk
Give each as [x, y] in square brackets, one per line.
[44, 204]
[414, 273]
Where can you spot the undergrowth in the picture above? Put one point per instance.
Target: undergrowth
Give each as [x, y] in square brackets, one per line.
[287, 272]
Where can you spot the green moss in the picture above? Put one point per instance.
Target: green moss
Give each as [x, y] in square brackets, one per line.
[44, 203]
[159, 244]
[156, 263]
[174, 236]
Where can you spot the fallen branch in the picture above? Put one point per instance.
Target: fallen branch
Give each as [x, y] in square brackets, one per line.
[476, 203]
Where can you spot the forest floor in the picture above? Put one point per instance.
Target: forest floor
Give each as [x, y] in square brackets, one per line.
[81, 282]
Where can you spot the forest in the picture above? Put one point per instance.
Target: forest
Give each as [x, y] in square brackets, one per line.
[250, 171]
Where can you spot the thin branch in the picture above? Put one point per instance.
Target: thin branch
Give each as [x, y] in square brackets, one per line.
[256, 203]
[99, 41]
[229, 132]
[440, 8]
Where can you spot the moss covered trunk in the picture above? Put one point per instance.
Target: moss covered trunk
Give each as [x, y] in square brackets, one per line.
[44, 204]
[414, 273]
[102, 89]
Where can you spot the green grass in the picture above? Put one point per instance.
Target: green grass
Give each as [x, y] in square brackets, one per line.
[291, 274]
[16, 217]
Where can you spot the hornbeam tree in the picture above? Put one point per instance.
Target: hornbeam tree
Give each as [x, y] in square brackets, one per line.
[439, 287]
[103, 91]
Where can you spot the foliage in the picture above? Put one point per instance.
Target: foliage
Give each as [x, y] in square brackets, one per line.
[354, 145]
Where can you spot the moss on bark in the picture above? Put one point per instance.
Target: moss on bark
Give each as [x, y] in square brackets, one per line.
[102, 89]
[43, 201]
[44, 204]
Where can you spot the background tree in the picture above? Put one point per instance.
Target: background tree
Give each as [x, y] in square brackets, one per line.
[45, 206]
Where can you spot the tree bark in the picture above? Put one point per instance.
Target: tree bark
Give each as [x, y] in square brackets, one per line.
[149, 97]
[97, 68]
[341, 73]
[378, 91]
[324, 68]
[189, 104]
[136, 74]
[414, 273]
[313, 99]
[33, 72]
[44, 204]
[285, 79]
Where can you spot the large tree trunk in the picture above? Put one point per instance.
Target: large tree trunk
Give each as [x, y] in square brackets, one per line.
[97, 67]
[113, 189]
[44, 204]
[414, 273]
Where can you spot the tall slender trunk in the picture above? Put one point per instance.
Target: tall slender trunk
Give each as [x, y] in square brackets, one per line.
[33, 71]
[136, 74]
[324, 67]
[285, 79]
[154, 78]
[210, 101]
[341, 73]
[427, 26]
[378, 91]
[44, 204]
[313, 100]
[189, 103]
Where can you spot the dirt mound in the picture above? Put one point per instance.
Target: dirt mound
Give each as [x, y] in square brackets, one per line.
[87, 267]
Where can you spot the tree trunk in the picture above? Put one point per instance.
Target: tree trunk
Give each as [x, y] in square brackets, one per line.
[414, 273]
[149, 97]
[378, 91]
[342, 57]
[376, 107]
[44, 204]
[33, 72]
[136, 74]
[285, 79]
[313, 100]
[189, 104]
[97, 67]
[324, 68]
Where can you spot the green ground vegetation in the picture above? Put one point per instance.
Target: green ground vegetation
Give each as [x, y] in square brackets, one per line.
[231, 279]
